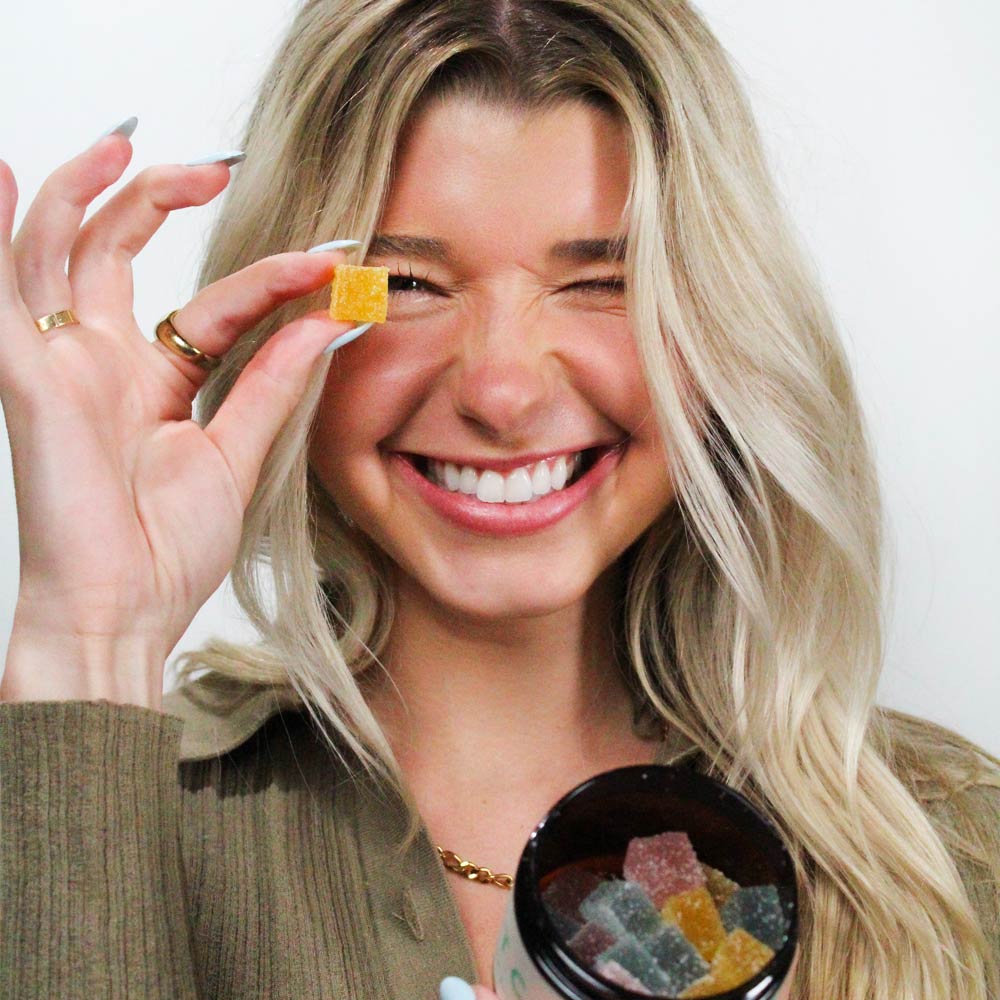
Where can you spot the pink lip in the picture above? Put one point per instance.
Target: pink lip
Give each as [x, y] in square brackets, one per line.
[509, 519]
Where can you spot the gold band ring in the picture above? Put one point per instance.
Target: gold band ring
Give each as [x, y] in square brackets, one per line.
[64, 317]
[166, 334]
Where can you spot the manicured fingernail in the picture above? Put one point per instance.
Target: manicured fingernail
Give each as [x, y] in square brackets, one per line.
[228, 157]
[346, 338]
[126, 129]
[453, 988]
[334, 245]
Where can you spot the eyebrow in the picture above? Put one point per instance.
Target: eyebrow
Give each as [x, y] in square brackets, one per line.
[430, 248]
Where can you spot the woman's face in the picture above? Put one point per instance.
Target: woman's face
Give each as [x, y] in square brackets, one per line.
[507, 352]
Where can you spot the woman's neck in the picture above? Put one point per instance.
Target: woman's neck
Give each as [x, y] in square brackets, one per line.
[539, 695]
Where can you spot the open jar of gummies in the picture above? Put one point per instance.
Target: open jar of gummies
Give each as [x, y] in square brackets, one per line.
[649, 881]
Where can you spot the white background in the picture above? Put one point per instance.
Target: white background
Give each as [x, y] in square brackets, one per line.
[882, 124]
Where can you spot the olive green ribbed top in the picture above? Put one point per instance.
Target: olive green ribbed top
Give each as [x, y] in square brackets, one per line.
[218, 850]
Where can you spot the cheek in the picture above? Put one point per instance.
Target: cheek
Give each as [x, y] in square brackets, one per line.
[374, 382]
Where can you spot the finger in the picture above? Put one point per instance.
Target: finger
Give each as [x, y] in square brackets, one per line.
[19, 339]
[483, 992]
[51, 224]
[222, 312]
[100, 261]
[265, 394]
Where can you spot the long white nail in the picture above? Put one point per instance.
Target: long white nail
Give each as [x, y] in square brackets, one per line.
[453, 988]
[334, 245]
[126, 128]
[228, 157]
[346, 338]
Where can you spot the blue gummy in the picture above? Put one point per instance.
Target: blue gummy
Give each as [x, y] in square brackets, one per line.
[757, 909]
[631, 956]
[565, 926]
[677, 957]
[623, 908]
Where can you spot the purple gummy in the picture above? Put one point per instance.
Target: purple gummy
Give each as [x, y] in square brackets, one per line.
[636, 961]
[589, 941]
[565, 926]
[757, 909]
[569, 889]
[677, 957]
[623, 908]
[663, 865]
[614, 973]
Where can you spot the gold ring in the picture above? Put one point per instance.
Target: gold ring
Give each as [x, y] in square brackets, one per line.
[64, 317]
[166, 334]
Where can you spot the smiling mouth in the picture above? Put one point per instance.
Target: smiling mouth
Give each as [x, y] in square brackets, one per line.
[522, 485]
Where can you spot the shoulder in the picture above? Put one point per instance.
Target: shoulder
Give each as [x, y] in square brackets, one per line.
[221, 713]
[957, 783]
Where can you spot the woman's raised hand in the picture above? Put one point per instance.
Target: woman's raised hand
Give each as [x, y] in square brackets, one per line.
[129, 513]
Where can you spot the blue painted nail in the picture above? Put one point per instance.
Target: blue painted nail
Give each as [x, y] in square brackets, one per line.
[453, 988]
[228, 157]
[126, 128]
[334, 245]
[346, 338]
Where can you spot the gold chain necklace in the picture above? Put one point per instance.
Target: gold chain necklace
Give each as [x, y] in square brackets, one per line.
[476, 873]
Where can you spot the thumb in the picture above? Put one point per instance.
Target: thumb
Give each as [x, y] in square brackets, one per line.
[267, 391]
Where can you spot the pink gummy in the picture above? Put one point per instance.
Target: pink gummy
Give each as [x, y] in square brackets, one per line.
[590, 941]
[663, 865]
[621, 977]
[569, 889]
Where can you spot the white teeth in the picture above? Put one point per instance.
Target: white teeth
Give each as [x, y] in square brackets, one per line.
[452, 476]
[559, 473]
[541, 481]
[517, 487]
[468, 480]
[490, 488]
[522, 485]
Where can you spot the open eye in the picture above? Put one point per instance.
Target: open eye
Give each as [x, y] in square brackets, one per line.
[402, 283]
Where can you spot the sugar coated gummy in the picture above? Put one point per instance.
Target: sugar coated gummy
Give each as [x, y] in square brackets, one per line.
[672, 927]
[663, 865]
[757, 909]
[589, 941]
[634, 959]
[740, 957]
[613, 972]
[677, 957]
[695, 914]
[719, 886]
[568, 889]
[359, 293]
[623, 908]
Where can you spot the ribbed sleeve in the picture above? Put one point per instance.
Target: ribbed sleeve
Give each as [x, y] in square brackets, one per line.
[92, 895]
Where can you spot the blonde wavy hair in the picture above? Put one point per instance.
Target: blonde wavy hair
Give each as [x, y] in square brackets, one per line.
[751, 614]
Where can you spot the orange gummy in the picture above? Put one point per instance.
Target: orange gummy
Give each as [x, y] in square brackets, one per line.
[695, 914]
[740, 957]
[359, 293]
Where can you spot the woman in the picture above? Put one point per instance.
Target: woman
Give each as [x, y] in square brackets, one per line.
[591, 274]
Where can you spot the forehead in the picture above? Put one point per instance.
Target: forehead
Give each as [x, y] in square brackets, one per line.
[507, 176]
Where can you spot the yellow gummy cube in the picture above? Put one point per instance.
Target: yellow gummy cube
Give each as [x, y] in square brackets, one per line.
[718, 884]
[740, 957]
[359, 293]
[695, 914]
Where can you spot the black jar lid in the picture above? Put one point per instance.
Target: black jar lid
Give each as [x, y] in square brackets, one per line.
[599, 817]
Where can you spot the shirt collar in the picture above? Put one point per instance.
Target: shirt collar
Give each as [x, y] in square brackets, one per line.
[221, 713]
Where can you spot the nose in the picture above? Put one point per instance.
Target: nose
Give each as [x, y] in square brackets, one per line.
[505, 381]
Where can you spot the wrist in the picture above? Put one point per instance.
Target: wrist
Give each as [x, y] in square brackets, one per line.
[49, 666]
